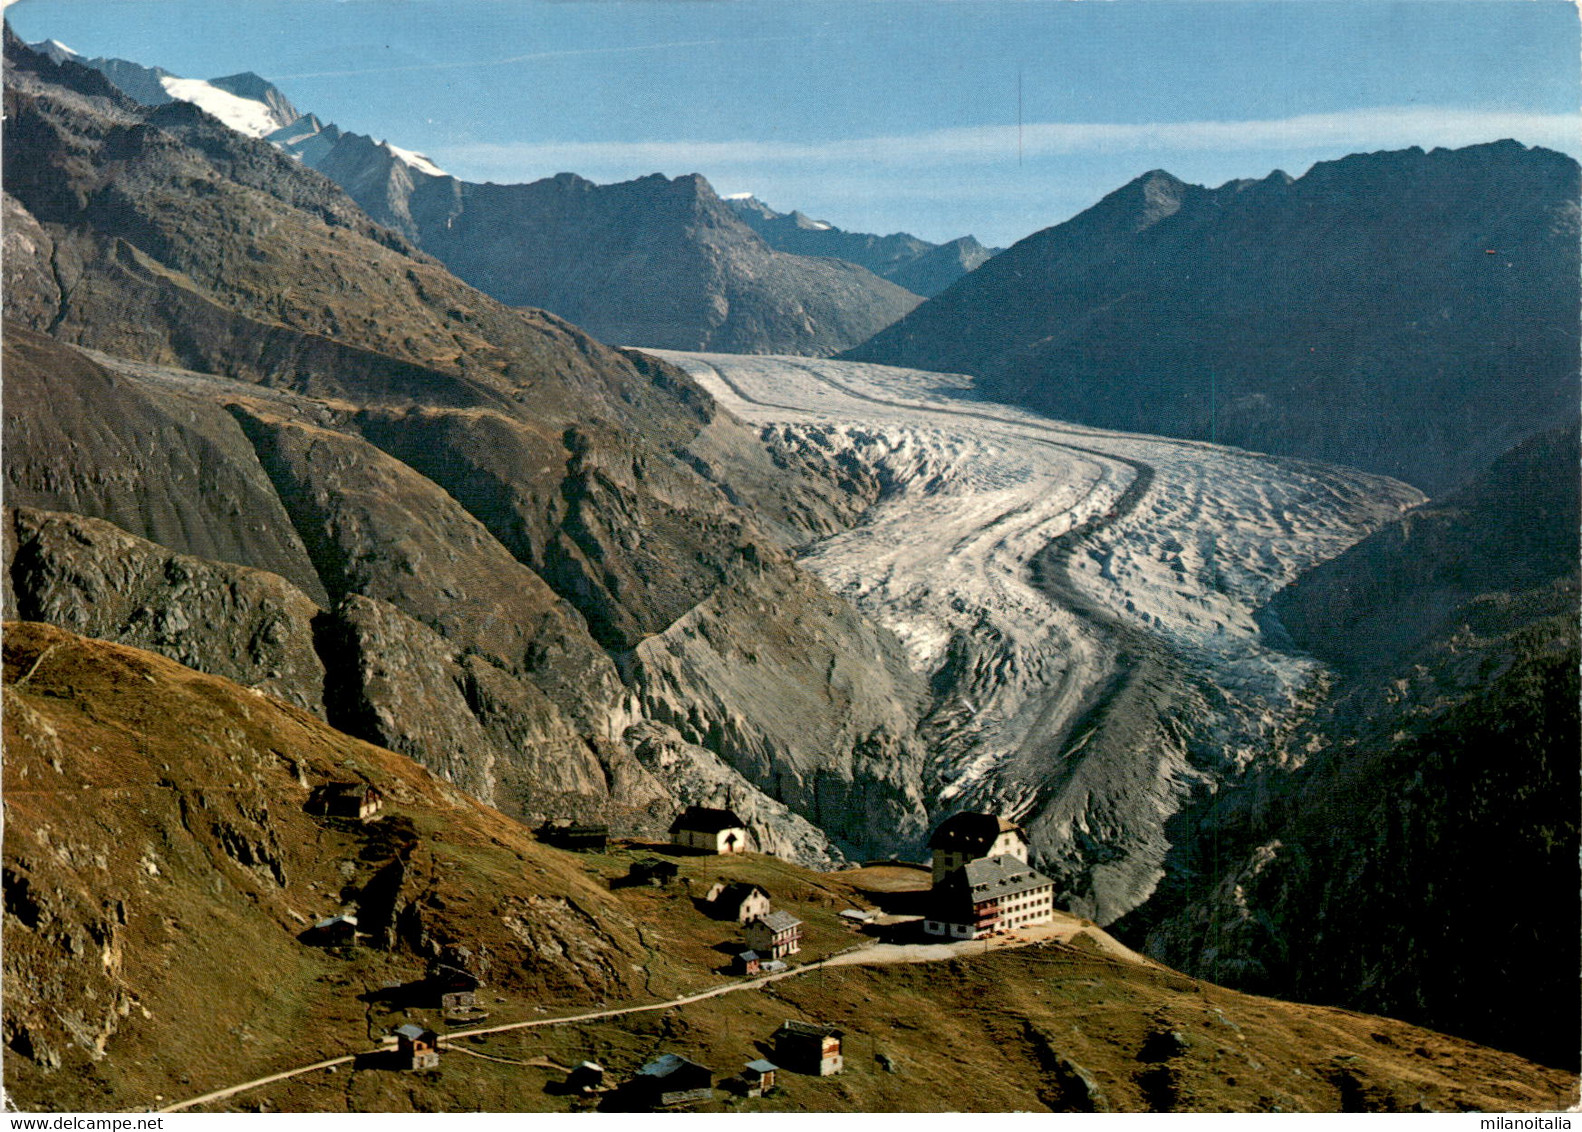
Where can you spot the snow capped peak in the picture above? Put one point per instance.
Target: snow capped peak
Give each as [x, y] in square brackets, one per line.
[244, 115]
[737, 196]
[56, 50]
[415, 160]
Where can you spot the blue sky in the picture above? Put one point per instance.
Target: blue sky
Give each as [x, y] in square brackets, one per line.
[879, 115]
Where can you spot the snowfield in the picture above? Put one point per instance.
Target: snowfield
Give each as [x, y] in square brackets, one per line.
[1083, 601]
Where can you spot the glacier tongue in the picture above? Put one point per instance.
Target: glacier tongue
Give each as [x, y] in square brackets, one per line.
[1082, 602]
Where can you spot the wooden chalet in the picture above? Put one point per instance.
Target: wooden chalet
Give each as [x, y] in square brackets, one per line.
[758, 1077]
[582, 837]
[809, 1047]
[746, 963]
[653, 871]
[417, 1047]
[774, 934]
[671, 1079]
[334, 931]
[358, 800]
[737, 901]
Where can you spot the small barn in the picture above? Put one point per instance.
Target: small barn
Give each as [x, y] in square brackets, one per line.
[652, 871]
[672, 1079]
[775, 934]
[358, 800]
[737, 901]
[582, 837]
[709, 830]
[417, 1047]
[758, 1077]
[809, 1047]
[334, 931]
[746, 963]
[586, 1077]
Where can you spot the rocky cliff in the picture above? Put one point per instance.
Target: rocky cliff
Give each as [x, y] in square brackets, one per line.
[1409, 313]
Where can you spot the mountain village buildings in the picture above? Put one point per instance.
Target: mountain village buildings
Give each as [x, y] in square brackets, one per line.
[774, 935]
[982, 881]
[737, 901]
[967, 837]
[709, 830]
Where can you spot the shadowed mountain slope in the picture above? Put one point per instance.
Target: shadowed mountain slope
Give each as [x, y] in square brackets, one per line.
[482, 489]
[650, 262]
[1409, 313]
[1427, 845]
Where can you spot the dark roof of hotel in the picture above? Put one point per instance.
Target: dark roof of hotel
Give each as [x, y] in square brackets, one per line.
[969, 832]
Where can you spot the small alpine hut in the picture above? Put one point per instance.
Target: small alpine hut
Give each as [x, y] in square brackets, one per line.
[968, 836]
[747, 963]
[709, 830]
[417, 1047]
[774, 934]
[809, 1047]
[759, 1077]
[586, 1077]
[671, 1079]
[581, 837]
[737, 901]
[359, 800]
[334, 930]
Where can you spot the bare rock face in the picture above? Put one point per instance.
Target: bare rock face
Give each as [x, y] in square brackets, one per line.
[692, 772]
[95, 579]
[651, 262]
[805, 698]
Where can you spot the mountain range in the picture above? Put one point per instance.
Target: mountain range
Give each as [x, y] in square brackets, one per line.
[919, 266]
[652, 262]
[1410, 313]
[285, 386]
[302, 483]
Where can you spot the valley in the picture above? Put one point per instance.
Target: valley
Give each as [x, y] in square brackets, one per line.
[1081, 602]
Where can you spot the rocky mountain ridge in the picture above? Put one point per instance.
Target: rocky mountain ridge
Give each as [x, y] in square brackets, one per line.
[282, 384]
[921, 267]
[1409, 313]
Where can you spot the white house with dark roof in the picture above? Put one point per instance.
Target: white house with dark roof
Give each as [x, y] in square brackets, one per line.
[968, 837]
[774, 935]
[710, 830]
[994, 894]
[737, 901]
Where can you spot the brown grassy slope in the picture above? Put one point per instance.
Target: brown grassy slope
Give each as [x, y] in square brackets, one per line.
[1049, 1027]
[159, 867]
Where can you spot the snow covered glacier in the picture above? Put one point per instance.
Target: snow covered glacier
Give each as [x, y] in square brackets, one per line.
[1082, 602]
